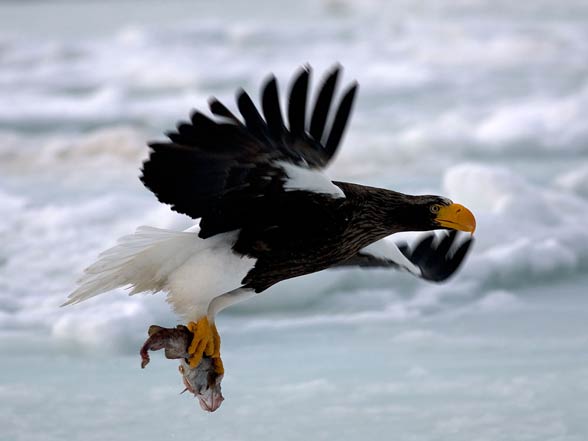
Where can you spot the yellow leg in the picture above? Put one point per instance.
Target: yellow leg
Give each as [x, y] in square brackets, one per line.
[206, 341]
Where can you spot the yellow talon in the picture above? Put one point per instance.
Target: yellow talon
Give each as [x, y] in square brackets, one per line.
[206, 341]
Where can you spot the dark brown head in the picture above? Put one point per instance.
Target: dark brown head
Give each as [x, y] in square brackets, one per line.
[423, 213]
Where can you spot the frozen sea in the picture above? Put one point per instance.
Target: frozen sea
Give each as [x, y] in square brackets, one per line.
[483, 101]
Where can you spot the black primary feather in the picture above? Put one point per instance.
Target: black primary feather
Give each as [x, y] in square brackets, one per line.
[323, 104]
[297, 104]
[219, 109]
[271, 109]
[340, 121]
[253, 120]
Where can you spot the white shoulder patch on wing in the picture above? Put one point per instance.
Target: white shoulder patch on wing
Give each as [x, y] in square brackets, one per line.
[300, 178]
[386, 249]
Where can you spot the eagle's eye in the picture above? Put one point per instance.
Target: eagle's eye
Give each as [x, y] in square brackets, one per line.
[435, 208]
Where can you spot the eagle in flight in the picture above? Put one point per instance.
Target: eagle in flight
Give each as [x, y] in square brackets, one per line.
[267, 211]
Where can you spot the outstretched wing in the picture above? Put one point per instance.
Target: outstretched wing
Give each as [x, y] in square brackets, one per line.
[433, 258]
[224, 168]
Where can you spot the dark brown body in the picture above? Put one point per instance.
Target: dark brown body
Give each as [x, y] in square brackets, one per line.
[314, 233]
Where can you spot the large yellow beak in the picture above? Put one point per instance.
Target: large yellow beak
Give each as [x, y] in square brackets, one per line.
[456, 217]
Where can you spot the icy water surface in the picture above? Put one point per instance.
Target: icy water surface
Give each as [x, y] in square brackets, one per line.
[511, 369]
[484, 102]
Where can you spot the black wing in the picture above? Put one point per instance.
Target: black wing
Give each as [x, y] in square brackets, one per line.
[433, 258]
[223, 168]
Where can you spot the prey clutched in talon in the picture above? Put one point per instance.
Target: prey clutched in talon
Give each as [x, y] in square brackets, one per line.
[206, 341]
[204, 382]
[204, 379]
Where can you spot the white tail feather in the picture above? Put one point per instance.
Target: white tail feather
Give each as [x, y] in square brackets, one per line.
[142, 260]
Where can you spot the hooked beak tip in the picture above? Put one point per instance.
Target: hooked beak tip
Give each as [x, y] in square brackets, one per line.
[457, 217]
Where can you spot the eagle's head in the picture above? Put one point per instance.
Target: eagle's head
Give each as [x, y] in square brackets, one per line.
[446, 214]
[424, 213]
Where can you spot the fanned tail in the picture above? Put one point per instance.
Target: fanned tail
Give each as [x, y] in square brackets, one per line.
[142, 261]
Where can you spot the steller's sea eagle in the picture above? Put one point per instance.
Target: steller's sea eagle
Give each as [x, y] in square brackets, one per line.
[267, 211]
